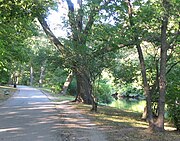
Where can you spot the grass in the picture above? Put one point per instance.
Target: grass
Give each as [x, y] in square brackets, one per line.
[137, 106]
[4, 96]
[61, 97]
[124, 125]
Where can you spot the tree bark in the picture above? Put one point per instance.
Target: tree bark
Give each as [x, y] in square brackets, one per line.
[50, 34]
[148, 109]
[162, 81]
[83, 78]
[67, 83]
[84, 89]
[41, 76]
[42, 73]
[31, 76]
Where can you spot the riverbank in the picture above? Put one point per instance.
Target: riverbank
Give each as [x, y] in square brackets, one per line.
[122, 125]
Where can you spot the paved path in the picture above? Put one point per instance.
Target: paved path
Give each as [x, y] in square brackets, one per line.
[29, 116]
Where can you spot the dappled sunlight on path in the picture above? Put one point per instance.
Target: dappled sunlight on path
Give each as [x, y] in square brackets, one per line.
[75, 126]
[28, 116]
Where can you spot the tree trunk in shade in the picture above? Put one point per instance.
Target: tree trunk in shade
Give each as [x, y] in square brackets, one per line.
[31, 76]
[67, 83]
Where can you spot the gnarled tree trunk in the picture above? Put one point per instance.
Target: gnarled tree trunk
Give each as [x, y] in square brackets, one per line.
[84, 89]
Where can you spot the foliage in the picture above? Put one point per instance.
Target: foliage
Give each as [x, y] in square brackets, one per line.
[12, 39]
[56, 80]
[103, 91]
[16, 25]
[173, 96]
[45, 57]
[13, 49]
[125, 69]
[72, 88]
[129, 90]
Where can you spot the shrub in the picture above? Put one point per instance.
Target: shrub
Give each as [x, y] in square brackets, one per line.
[129, 90]
[173, 96]
[174, 113]
[72, 88]
[103, 92]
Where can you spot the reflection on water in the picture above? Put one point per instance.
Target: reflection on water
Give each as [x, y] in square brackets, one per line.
[129, 104]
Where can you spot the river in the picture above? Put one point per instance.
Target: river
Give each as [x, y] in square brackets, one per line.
[129, 104]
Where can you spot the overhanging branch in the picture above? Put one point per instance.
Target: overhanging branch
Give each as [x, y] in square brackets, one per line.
[173, 65]
[112, 48]
[51, 35]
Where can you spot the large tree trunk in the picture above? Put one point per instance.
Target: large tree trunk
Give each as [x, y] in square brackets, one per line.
[84, 89]
[162, 82]
[79, 36]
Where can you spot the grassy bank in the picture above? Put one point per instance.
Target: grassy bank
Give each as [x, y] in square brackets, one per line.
[6, 92]
[123, 125]
[137, 106]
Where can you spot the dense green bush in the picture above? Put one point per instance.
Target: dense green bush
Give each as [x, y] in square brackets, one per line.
[55, 80]
[103, 92]
[4, 77]
[173, 96]
[174, 113]
[129, 89]
[72, 88]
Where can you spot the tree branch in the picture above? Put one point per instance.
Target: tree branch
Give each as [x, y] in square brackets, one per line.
[108, 49]
[51, 35]
[172, 67]
[92, 15]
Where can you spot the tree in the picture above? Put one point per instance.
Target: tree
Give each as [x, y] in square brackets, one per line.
[80, 62]
[142, 64]
[163, 55]
[17, 24]
[162, 40]
[13, 48]
[172, 97]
